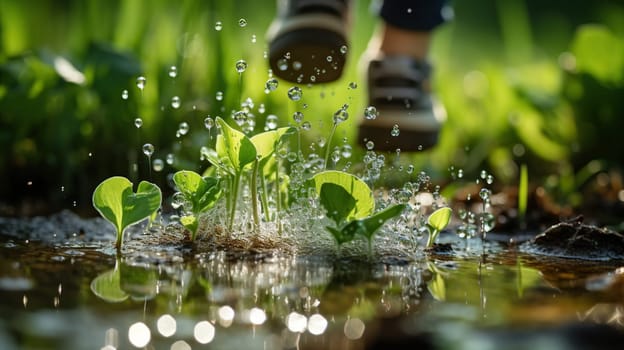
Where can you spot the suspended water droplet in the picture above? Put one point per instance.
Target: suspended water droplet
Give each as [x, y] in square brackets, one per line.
[138, 122]
[370, 112]
[261, 108]
[410, 169]
[329, 58]
[395, 131]
[341, 115]
[306, 126]
[173, 71]
[282, 64]
[271, 122]
[295, 93]
[177, 200]
[370, 145]
[219, 96]
[346, 151]
[175, 102]
[241, 65]
[124, 95]
[321, 142]
[170, 158]
[353, 85]
[140, 82]
[298, 117]
[148, 149]
[485, 193]
[240, 117]
[218, 26]
[483, 174]
[490, 179]
[183, 128]
[158, 164]
[253, 39]
[297, 65]
[208, 122]
[343, 49]
[242, 22]
[271, 84]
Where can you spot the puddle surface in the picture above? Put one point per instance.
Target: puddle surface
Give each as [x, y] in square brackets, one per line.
[72, 292]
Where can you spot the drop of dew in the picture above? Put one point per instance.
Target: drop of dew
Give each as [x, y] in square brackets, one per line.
[170, 158]
[158, 164]
[218, 26]
[395, 131]
[173, 71]
[343, 49]
[124, 95]
[271, 122]
[297, 117]
[370, 113]
[183, 128]
[219, 96]
[271, 84]
[175, 102]
[148, 149]
[294, 93]
[241, 65]
[242, 22]
[138, 122]
[140, 82]
[208, 123]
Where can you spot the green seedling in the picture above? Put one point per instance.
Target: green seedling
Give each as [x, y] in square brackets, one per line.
[436, 222]
[349, 203]
[117, 203]
[234, 153]
[200, 195]
[266, 144]
[523, 194]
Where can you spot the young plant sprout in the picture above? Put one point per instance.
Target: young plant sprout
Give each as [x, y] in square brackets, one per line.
[436, 222]
[117, 203]
[349, 203]
[199, 195]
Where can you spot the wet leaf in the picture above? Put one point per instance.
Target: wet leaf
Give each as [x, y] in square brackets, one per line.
[201, 192]
[337, 202]
[356, 188]
[234, 148]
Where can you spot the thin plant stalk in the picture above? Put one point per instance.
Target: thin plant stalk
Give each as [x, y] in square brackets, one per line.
[264, 197]
[254, 194]
[234, 196]
[432, 237]
[278, 199]
[328, 145]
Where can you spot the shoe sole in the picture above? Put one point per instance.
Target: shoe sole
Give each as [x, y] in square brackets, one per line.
[303, 54]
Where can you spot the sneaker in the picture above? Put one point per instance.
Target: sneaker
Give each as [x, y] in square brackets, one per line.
[408, 118]
[307, 40]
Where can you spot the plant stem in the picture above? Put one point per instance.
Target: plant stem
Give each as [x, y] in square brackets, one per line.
[432, 236]
[254, 194]
[331, 136]
[278, 199]
[264, 197]
[233, 199]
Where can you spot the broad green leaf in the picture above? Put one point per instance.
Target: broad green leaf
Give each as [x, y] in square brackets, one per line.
[364, 201]
[117, 203]
[234, 146]
[599, 52]
[107, 287]
[267, 142]
[372, 223]
[439, 218]
[337, 202]
[191, 223]
[202, 192]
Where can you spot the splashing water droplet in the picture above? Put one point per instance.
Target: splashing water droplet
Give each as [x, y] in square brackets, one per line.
[395, 131]
[138, 122]
[240, 117]
[158, 164]
[183, 128]
[219, 96]
[271, 122]
[175, 102]
[341, 115]
[295, 93]
[297, 117]
[241, 65]
[282, 64]
[124, 95]
[410, 169]
[483, 174]
[271, 84]
[253, 39]
[242, 22]
[343, 49]
[306, 126]
[490, 179]
[170, 158]
[297, 65]
[173, 71]
[140, 82]
[346, 151]
[370, 145]
[485, 193]
[208, 123]
[148, 149]
[370, 113]
[329, 58]
[218, 26]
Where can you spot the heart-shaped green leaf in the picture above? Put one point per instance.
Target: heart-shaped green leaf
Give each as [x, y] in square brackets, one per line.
[234, 148]
[356, 188]
[117, 203]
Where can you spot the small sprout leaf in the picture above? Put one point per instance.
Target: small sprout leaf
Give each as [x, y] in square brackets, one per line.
[337, 202]
[439, 218]
[234, 148]
[201, 192]
[356, 188]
